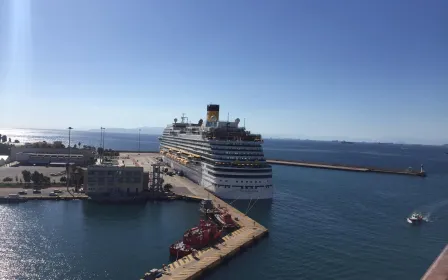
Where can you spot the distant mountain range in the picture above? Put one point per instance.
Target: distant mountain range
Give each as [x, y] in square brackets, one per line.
[144, 130]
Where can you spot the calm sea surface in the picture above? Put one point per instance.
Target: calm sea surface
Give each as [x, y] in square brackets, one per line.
[323, 224]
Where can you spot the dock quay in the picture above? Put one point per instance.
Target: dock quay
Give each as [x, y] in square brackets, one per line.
[61, 197]
[439, 269]
[419, 173]
[340, 167]
[192, 267]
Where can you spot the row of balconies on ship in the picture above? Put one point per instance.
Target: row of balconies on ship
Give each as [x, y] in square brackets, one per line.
[217, 142]
[213, 147]
[240, 171]
[223, 157]
[210, 151]
[208, 144]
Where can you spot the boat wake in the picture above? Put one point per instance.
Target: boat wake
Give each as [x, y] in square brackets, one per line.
[429, 211]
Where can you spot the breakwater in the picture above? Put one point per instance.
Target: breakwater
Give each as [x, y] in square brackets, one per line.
[419, 173]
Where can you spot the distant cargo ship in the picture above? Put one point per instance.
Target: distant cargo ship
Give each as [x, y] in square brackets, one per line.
[221, 156]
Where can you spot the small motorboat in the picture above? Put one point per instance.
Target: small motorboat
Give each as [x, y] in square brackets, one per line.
[415, 218]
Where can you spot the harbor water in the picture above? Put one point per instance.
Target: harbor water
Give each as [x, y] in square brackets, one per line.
[323, 224]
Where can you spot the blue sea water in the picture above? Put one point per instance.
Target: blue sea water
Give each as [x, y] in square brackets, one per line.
[323, 224]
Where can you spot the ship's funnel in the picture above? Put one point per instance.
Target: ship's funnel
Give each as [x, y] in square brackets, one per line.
[212, 114]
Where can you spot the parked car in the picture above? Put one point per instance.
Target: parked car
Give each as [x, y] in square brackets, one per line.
[58, 191]
[36, 191]
[53, 194]
[22, 192]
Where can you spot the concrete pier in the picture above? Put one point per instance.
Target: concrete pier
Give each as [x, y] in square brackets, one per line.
[340, 167]
[439, 269]
[345, 168]
[192, 267]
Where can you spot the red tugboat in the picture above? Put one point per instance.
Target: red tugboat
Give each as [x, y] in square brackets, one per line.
[196, 238]
[225, 219]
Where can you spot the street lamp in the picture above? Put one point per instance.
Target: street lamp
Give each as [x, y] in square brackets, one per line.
[69, 155]
[139, 141]
[102, 143]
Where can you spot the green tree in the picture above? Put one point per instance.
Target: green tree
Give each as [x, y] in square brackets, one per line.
[26, 176]
[7, 179]
[63, 179]
[9, 140]
[36, 177]
[75, 146]
[168, 187]
[46, 180]
[4, 138]
[79, 144]
[16, 141]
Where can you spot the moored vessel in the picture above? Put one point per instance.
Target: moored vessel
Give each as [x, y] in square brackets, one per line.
[206, 233]
[225, 220]
[221, 156]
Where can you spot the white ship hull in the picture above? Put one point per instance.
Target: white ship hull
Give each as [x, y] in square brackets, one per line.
[226, 188]
[222, 156]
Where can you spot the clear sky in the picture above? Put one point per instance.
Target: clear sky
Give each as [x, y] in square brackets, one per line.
[348, 69]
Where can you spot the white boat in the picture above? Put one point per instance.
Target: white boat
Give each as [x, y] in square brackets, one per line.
[415, 218]
[221, 156]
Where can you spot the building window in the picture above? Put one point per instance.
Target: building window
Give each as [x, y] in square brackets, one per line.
[136, 179]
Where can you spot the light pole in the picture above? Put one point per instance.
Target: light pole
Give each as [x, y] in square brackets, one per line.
[69, 155]
[102, 143]
[139, 140]
[104, 148]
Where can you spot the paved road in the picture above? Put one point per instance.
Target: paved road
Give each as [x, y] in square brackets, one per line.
[44, 192]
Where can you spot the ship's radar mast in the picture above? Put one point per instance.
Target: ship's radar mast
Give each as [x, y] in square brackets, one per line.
[183, 118]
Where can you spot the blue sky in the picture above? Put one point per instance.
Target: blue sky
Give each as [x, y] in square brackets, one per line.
[372, 70]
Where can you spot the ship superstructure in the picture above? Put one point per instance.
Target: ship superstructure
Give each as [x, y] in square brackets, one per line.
[221, 156]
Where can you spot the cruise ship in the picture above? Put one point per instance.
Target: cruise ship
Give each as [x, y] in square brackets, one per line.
[221, 156]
